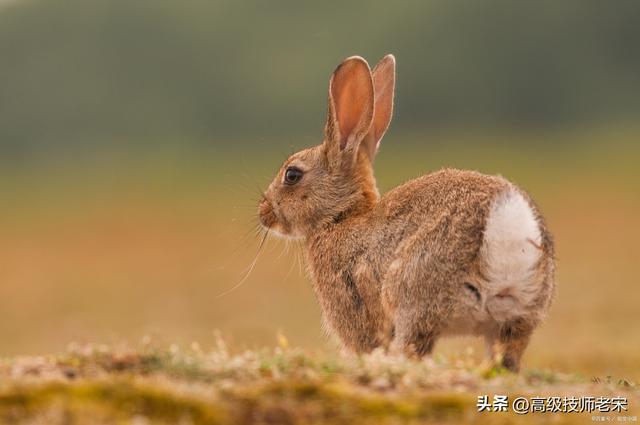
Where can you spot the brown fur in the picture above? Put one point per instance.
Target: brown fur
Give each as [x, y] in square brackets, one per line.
[401, 270]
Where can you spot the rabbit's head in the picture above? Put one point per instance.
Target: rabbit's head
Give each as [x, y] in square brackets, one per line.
[331, 181]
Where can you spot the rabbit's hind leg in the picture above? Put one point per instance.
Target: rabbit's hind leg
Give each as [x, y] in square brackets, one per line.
[507, 342]
[415, 334]
[418, 295]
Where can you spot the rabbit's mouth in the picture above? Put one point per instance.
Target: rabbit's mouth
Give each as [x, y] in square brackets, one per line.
[275, 223]
[267, 216]
[270, 220]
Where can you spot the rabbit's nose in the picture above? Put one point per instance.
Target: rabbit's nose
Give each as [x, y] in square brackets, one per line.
[265, 211]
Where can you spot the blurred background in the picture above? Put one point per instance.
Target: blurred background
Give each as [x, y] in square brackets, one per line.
[135, 136]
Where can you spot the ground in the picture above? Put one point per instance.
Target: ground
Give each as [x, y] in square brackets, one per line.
[149, 385]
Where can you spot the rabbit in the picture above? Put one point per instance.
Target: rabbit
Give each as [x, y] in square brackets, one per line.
[450, 253]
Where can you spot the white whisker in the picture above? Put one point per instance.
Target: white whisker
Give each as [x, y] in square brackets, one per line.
[248, 269]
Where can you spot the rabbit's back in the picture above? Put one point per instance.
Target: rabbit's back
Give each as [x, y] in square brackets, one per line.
[493, 256]
[458, 200]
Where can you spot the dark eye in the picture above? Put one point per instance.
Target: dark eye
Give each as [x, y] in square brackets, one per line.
[292, 175]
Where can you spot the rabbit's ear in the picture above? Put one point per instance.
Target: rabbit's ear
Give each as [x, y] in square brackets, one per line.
[350, 105]
[384, 81]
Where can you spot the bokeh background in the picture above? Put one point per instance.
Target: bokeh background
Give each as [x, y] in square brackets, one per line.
[135, 136]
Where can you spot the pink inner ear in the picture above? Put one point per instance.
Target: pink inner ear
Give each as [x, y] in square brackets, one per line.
[352, 97]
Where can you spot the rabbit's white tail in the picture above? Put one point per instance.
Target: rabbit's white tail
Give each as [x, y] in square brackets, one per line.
[511, 251]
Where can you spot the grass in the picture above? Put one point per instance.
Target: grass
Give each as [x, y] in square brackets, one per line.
[100, 385]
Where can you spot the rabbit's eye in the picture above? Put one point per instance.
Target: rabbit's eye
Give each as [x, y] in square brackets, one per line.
[292, 175]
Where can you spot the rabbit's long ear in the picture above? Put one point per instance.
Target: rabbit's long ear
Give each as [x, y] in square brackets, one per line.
[384, 82]
[351, 106]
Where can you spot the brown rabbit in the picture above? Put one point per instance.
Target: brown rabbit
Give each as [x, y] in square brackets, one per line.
[453, 252]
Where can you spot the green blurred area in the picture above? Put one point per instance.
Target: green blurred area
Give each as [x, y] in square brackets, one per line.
[135, 137]
[78, 74]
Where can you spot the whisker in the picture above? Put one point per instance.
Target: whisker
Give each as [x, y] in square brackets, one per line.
[293, 263]
[248, 270]
[249, 235]
[285, 249]
[299, 257]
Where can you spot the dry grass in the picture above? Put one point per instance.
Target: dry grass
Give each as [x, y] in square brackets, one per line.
[97, 384]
